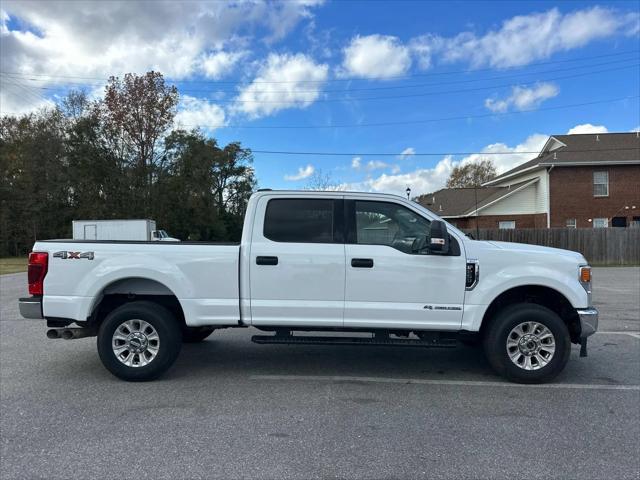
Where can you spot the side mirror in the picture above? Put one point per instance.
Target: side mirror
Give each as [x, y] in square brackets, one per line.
[439, 238]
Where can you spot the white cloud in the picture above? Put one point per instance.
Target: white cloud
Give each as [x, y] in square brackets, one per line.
[509, 156]
[97, 39]
[526, 38]
[425, 180]
[14, 102]
[523, 98]
[371, 165]
[375, 56]
[199, 112]
[264, 95]
[406, 153]
[220, 64]
[422, 180]
[587, 128]
[376, 165]
[303, 172]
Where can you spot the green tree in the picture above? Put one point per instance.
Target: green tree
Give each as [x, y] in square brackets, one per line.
[117, 157]
[202, 194]
[34, 192]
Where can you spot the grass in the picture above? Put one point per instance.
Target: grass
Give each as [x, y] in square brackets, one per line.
[13, 264]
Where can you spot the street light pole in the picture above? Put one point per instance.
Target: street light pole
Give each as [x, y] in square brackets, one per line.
[408, 191]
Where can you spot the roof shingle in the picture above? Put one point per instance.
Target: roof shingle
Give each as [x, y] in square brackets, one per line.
[601, 148]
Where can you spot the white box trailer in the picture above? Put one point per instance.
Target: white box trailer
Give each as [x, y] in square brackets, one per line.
[114, 229]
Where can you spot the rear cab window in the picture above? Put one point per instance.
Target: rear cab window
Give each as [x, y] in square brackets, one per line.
[304, 220]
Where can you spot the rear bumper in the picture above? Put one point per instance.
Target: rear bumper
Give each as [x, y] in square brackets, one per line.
[31, 307]
[588, 321]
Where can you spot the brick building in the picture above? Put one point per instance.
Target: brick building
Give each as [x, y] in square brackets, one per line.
[576, 181]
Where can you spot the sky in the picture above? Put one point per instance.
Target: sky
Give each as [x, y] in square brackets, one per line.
[397, 92]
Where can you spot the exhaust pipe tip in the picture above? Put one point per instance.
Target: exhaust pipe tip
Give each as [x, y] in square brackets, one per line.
[67, 334]
[53, 333]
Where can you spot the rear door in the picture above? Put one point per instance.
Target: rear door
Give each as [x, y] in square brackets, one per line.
[391, 282]
[90, 232]
[297, 262]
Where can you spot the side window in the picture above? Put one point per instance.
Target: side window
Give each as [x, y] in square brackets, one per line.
[507, 225]
[300, 220]
[600, 223]
[601, 184]
[383, 223]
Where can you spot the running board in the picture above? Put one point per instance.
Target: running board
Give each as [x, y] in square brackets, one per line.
[374, 341]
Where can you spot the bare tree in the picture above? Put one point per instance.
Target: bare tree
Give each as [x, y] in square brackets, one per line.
[320, 180]
[139, 111]
[471, 174]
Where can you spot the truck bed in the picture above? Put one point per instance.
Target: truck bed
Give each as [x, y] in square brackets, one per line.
[203, 276]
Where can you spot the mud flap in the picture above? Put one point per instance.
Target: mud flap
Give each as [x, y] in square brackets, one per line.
[583, 347]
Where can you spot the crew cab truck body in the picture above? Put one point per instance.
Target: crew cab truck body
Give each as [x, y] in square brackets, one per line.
[318, 261]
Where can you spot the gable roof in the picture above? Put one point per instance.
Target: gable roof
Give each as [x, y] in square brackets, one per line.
[582, 149]
[461, 202]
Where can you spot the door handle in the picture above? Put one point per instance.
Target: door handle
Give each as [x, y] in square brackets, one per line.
[362, 262]
[266, 260]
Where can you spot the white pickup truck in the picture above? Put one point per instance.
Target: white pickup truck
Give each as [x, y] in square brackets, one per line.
[378, 266]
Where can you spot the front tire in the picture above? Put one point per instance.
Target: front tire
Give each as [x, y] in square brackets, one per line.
[139, 341]
[527, 343]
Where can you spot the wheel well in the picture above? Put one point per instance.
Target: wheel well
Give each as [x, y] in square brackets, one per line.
[133, 289]
[545, 296]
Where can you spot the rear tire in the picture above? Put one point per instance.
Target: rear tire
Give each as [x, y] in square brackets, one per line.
[139, 341]
[196, 334]
[527, 343]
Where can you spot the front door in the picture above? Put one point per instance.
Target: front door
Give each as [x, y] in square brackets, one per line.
[297, 269]
[391, 282]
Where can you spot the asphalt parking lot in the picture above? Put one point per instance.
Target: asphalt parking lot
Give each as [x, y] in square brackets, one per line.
[233, 409]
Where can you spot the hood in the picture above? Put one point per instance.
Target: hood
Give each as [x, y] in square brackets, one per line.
[525, 247]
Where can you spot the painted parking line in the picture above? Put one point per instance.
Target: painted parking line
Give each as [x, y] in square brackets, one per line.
[457, 383]
[631, 334]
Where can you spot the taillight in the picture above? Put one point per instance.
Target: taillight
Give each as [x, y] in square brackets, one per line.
[38, 264]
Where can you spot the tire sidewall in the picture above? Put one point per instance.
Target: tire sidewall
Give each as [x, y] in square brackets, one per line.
[161, 320]
[496, 340]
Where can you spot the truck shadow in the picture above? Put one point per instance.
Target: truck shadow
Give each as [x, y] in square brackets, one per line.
[242, 358]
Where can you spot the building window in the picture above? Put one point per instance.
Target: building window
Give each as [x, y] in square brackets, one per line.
[635, 223]
[571, 223]
[507, 225]
[600, 222]
[600, 184]
[619, 222]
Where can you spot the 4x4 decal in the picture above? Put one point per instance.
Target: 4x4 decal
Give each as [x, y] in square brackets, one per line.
[76, 255]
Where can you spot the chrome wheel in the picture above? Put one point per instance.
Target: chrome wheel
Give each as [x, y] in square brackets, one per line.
[135, 343]
[531, 345]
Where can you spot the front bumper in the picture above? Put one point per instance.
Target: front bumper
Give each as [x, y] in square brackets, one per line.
[31, 307]
[588, 321]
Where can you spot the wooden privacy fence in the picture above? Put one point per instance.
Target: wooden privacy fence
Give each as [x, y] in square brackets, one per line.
[600, 246]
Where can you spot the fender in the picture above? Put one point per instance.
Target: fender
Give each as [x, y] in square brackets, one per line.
[88, 289]
[493, 284]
